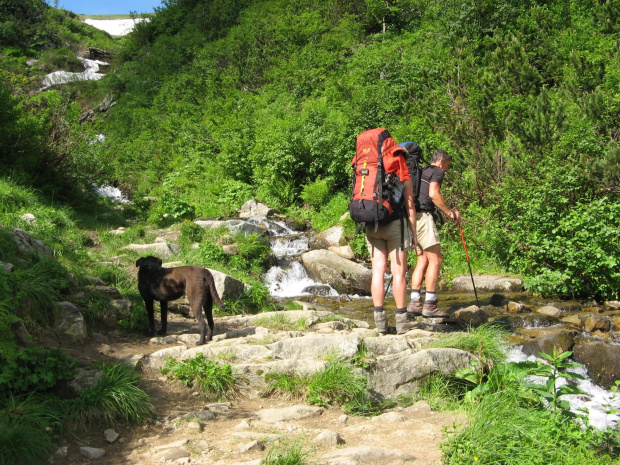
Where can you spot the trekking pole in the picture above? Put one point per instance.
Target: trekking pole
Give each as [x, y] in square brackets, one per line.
[388, 287]
[469, 264]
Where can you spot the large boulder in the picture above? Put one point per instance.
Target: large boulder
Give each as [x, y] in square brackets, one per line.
[70, 322]
[26, 244]
[545, 339]
[487, 283]
[253, 225]
[602, 360]
[333, 236]
[253, 208]
[159, 249]
[401, 373]
[228, 287]
[345, 276]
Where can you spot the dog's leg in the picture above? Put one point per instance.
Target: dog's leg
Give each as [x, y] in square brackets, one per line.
[164, 317]
[208, 308]
[151, 316]
[196, 303]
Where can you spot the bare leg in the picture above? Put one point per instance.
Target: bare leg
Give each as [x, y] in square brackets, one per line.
[435, 259]
[379, 266]
[398, 262]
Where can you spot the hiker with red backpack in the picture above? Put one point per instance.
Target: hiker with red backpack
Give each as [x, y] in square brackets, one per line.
[382, 203]
[429, 201]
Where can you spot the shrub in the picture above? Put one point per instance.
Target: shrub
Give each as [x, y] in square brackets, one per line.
[34, 369]
[316, 194]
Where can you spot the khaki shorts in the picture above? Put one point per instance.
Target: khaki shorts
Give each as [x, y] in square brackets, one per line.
[387, 238]
[428, 235]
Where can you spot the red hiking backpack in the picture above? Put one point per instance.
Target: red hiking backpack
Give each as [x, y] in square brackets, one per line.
[377, 163]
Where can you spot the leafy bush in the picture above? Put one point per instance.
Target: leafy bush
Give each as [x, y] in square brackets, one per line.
[34, 369]
[114, 397]
[288, 453]
[216, 381]
[317, 193]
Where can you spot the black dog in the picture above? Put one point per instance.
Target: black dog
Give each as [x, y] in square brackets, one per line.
[164, 284]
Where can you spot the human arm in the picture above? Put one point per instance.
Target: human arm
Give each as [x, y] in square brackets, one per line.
[434, 192]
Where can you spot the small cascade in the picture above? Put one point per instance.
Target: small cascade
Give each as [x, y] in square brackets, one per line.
[288, 278]
[598, 401]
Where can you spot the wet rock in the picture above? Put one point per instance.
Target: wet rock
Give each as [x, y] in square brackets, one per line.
[343, 275]
[613, 304]
[498, 300]
[530, 320]
[550, 310]
[517, 307]
[491, 310]
[317, 289]
[602, 360]
[570, 306]
[597, 323]
[472, 316]
[562, 339]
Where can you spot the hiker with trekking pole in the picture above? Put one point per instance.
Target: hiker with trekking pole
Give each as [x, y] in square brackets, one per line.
[428, 203]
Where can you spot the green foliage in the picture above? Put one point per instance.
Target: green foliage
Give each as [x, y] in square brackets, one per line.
[287, 453]
[555, 370]
[339, 385]
[115, 397]
[27, 429]
[484, 341]
[216, 381]
[316, 194]
[500, 430]
[290, 386]
[441, 392]
[34, 369]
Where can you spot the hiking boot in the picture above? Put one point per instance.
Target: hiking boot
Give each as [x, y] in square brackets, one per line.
[414, 308]
[430, 310]
[381, 322]
[402, 323]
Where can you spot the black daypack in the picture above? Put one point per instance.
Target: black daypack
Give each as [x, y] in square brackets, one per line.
[414, 163]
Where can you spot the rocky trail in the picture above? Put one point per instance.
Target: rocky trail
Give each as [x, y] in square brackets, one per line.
[190, 429]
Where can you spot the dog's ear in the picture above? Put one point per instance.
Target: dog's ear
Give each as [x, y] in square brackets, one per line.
[139, 262]
[159, 262]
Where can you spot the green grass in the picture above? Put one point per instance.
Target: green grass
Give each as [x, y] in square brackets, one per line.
[288, 453]
[215, 380]
[115, 397]
[28, 428]
[499, 430]
[281, 322]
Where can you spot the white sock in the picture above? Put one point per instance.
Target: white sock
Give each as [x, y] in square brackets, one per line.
[415, 295]
[431, 297]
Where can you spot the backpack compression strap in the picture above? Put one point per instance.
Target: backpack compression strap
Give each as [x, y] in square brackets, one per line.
[379, 178]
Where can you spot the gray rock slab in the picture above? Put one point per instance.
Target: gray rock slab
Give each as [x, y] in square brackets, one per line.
[364, 455]
[487, 283]
[295, 412]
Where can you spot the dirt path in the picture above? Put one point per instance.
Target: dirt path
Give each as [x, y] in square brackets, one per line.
[236, 435]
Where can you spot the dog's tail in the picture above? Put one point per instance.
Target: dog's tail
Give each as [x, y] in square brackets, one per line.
[208, 280]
